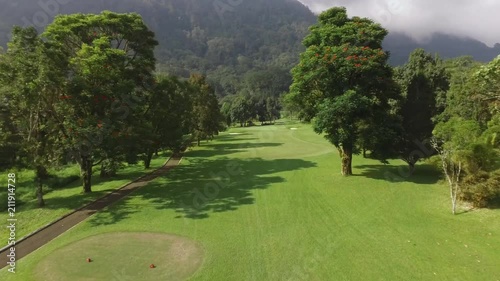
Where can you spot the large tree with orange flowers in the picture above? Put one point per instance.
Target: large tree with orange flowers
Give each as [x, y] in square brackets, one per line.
[344, 84]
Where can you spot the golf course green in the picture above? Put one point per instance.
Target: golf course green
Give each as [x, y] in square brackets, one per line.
[269, 203]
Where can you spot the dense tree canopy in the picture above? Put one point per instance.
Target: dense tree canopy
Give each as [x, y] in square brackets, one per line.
[206, 115]
[423, 81]
[104, 64]
[466, 134]
[343, 79]
[28, 103]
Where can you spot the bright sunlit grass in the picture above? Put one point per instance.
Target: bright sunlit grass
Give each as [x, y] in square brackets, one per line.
[270, 204]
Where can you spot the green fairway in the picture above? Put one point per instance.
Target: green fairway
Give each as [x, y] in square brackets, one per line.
[269, 203]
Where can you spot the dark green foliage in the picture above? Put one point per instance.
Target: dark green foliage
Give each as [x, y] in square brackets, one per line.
[243, 109]
[103, 65]
[424, 83]
[458, 100]
[206, 119]
[342, 112]
[55, 182]
[468, 129]
[10, 141]
[28, 105]
[167, 116]
[481, 189]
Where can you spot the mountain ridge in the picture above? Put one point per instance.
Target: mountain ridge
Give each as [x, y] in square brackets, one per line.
[447, 46]
[227, 39]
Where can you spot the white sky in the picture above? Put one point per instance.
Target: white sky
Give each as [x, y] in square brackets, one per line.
[478, 19]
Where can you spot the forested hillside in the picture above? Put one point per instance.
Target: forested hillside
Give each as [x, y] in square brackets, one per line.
[223, 39]
[446, 46]
[232, 42]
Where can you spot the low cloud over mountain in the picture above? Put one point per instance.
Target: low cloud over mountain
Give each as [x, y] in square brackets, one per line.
[419, 19]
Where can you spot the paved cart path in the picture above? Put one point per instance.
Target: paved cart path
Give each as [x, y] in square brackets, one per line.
[58, 227]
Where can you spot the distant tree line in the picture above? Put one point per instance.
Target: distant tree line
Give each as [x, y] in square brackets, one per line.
[244, 109]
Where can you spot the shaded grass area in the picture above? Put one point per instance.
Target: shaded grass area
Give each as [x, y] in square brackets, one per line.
[61, 199]
[279, 209]
[195, 192]
[399, 172]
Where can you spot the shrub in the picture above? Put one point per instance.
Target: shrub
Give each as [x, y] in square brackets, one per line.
[58, 182]
[481, 189]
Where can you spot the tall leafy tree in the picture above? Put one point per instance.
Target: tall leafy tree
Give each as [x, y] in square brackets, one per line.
[27, 103]
[273, 108]
[107, 57]
[423, 81]
[243, 109]
[467, 132]
[457, 100]
[488, 80]
[453, 140]
[207, 117]
[10, 140]
[167, 116]
[343, 79]
[226, 103]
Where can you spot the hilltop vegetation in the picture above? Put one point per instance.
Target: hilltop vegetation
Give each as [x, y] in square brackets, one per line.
[221, 40]
[226, 40]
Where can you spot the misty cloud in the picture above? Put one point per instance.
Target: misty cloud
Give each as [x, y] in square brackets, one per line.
[478, 19]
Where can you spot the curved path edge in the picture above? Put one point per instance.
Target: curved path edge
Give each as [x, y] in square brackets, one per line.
[43, 235]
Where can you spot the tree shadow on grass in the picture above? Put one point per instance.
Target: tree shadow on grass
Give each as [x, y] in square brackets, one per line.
[79, 199]
[210, 186]
[235, 136]
[423, 174]
[225, 148]
[494, 203]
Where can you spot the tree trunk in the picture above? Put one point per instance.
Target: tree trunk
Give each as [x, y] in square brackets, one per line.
[411, 167]
[453, 205]
[39, 194]
[199, 140]
[156, 152]
[455, 190]
[103, 173]
[86, 173]
[41, 174]
[346, 158]
[364, 152]
[147, 161]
